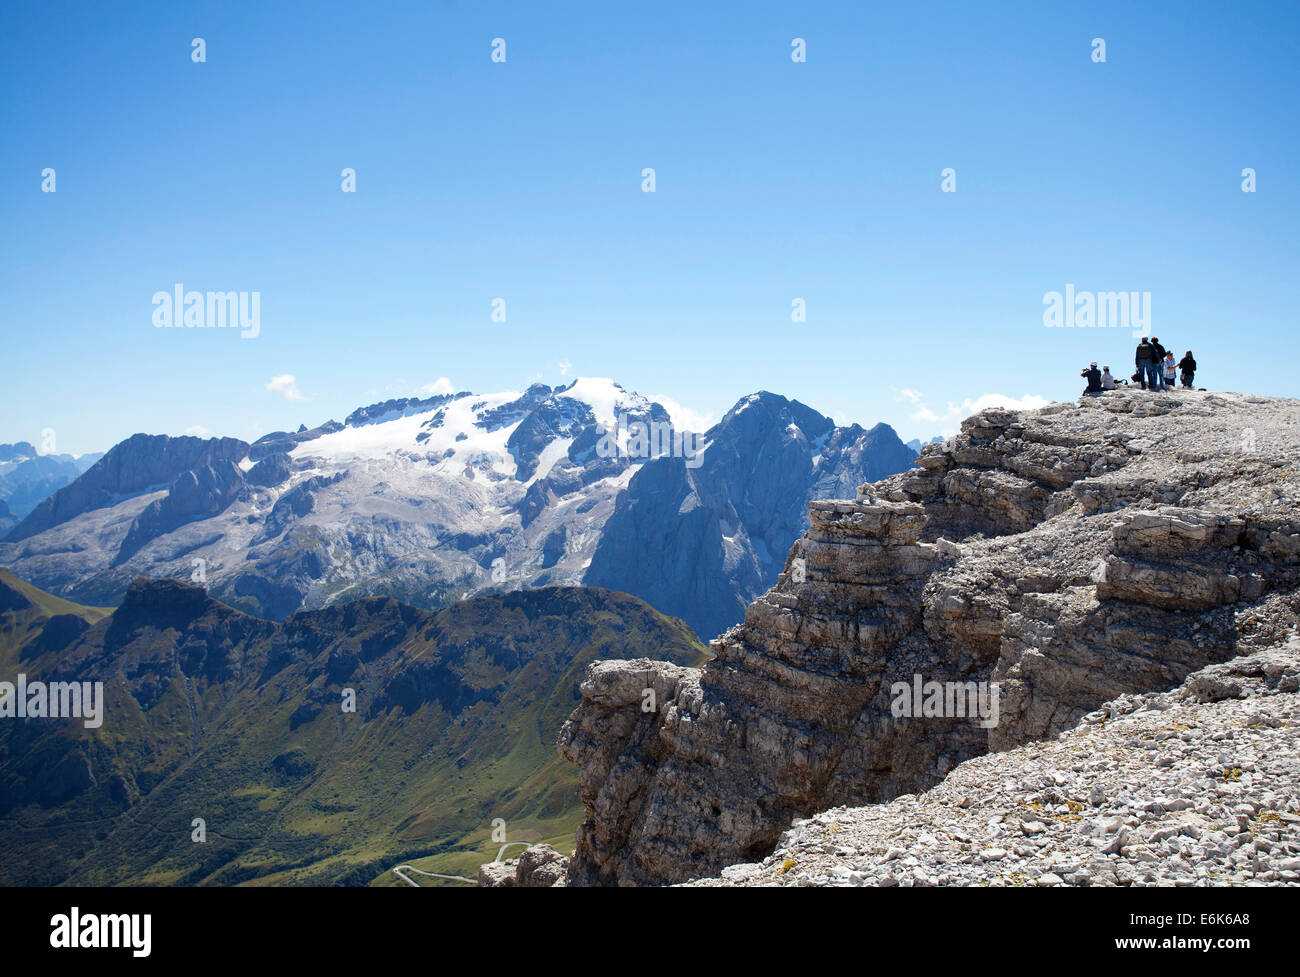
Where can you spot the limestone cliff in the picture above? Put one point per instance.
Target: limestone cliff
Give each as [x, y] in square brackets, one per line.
[1070, 555]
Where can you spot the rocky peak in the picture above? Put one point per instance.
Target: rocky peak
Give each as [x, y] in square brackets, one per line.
[143, 462]
[698, 537]
[1067, 555]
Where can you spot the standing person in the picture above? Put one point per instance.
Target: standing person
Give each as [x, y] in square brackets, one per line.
[1145, 359]
[1107, 381]
[1159, 358]
[1188, 366]
[1170, 367]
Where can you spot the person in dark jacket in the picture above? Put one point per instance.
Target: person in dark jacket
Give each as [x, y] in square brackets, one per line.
[1187, 365]
[1147, 365]
[1094, 380]
[1159, 358]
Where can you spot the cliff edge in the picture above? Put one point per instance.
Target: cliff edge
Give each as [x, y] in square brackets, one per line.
[1063, 557]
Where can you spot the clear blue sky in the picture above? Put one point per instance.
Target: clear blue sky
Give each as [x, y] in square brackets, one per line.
[522, 180]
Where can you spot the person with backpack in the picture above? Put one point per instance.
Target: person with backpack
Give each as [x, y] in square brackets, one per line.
[1169, 368]
[1188, 367]
[1147, 365]
[1159, 359]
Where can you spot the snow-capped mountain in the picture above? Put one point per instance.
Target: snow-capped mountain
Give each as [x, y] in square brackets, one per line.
[432, 500]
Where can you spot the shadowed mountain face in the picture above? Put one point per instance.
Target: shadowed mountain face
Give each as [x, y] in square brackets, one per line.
[212, 714]
[28, 477]
[702, 542]
[140, 464]
[433, 500]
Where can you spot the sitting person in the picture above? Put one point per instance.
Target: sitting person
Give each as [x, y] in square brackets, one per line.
[1094, 379]
[1188, 366]
[1107, 381]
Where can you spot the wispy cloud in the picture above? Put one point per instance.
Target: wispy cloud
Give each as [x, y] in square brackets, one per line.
[684, 418]
[565, 366]
[197, 431]
[286, 386]
[440, 386]
[950, 417]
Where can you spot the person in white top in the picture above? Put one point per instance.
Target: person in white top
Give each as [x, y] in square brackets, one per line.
[1107, 381]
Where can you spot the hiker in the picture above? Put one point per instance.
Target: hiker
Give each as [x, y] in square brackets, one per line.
[1107, 381]
[1159, 360]
[1188, 366]
[1170, 367]
[1147, 364]
[1094, 379]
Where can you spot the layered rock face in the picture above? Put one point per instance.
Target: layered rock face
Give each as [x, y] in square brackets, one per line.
[1063, 556]
[1199, 786]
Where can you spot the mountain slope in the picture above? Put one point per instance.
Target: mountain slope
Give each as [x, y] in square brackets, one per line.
[216, 715]
[701, 542]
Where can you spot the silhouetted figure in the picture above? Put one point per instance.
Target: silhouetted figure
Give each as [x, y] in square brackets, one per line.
[1094, 379]
[1148, 366]
[1188, 367]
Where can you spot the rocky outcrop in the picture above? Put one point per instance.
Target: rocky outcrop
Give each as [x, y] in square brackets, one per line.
[539, 867]
[1063, 557]
[1195, 787]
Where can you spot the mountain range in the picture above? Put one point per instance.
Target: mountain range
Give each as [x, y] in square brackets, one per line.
[241, 723]
[28, 477]
[433, 500]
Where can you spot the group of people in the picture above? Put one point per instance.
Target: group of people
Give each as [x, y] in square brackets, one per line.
[1156, 369]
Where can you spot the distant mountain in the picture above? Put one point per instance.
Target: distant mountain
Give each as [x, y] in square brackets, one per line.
[431, 500]
[216, 715]
[28, 477]
[916, 444]
[701, 543]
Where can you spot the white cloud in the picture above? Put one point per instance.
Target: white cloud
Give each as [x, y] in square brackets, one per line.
[565, 366]
[286, 386]
[197, 431]
[951, 416]
[985, 401]
[440, 386]
[683, 417]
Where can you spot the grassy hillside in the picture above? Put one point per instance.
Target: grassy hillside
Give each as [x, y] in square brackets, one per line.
[216, 715]
[48, 604]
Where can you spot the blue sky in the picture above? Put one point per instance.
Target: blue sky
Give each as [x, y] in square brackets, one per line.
[522, 180]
